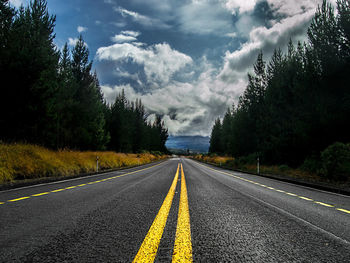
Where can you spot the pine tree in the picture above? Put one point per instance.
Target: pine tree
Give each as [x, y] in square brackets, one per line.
[216, 138]
[89, 111]
[32, 72]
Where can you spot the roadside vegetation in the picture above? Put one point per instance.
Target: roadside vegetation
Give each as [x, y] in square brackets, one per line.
[333, 168]
[26, 161]
[55, 100]
[295, 110]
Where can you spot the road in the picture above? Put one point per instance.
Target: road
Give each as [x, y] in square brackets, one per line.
[178, 210]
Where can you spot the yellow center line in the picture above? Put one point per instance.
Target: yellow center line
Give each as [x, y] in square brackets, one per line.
[183, 245]
[57, 190]
[305, 198]
[18, 199]
[1, 203]
[40, 194]
[324, 204]
[149, 246]
[81, 184]
[70, 187]
[291, 194]
[344, 210]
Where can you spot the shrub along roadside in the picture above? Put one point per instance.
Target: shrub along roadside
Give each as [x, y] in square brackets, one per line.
[26, 161]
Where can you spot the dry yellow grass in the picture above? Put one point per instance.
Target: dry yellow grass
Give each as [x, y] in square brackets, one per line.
[25, 161]
[219, 160]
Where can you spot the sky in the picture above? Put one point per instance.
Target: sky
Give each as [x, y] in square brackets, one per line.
[187, 60]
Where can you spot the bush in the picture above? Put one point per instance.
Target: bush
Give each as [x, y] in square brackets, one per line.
[250, 159]
[283, 168]
[336, 161]
[313, 164]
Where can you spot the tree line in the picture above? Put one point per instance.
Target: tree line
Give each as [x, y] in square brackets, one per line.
[52, 97]
[297, 103]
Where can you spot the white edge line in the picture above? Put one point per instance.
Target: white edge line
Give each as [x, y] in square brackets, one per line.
[344, 241]
[276, 180]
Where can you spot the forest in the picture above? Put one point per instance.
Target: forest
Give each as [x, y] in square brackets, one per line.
[51, 97]
[296, 107]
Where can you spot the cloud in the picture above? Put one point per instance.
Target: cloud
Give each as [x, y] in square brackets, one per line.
[123, 38]
[204, 17]
[189, 104]
[295, 7]
[240, 6]
[160, 62]
[142, 19]
[239, 62]
[17, 3]
[73, 41]
[126, 36]
[81, 29]
[186, 108]
[131, 33]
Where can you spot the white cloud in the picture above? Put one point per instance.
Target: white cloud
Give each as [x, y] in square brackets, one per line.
[159, 61]
[131, 33]
[17, 3]
[291, 8]
[240, 5]
[232, 35]
[239, 62]
[81, 29]
[123, 38]
[126, 36]
[187, 108]
[145, 21]
[73, 41]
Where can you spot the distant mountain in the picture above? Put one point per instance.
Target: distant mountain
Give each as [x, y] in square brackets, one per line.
[193, 143]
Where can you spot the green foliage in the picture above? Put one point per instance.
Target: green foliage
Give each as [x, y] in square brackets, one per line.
[336, 161]
[313, 164]
[129, 130]
[299, 102]
[55, 99]
[283, 168]
[216, 138]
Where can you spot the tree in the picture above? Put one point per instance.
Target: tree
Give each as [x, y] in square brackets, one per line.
[32, 72]
[300, 104]
[227, 131]
[216, 138]
[89, 111]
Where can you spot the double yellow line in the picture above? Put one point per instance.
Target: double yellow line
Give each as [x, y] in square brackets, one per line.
[183, 246]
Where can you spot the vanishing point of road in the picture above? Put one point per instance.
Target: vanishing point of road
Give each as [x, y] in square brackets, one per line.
[178, 210]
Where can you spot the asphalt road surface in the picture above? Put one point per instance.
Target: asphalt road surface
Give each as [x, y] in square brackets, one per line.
[178, 210]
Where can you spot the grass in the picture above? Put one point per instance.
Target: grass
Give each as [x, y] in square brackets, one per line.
[218, 160]
[26, 161]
